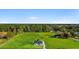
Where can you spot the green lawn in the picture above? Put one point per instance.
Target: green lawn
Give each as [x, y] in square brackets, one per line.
[25, 40]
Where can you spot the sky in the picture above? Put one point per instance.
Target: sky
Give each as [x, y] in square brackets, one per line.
[49, 16]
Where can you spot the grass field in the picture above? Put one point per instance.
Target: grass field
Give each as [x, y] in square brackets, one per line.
[25, 40]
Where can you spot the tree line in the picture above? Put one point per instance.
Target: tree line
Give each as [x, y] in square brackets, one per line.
[69, 29]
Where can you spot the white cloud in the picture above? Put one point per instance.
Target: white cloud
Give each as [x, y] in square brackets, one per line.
[33, 17]
[66, 20]
[3, 22]
[63, 20]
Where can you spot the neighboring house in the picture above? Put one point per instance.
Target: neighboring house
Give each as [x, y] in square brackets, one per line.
[57, 36]
[51, 31]
[76, 33]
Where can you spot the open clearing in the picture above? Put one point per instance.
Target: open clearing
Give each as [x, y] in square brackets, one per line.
[25, 40]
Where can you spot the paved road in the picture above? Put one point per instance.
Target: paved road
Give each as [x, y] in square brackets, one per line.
[44, 46]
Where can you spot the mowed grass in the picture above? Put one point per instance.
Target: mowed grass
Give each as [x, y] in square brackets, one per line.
[25, 41]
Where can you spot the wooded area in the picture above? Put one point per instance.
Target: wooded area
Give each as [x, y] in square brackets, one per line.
[67, 30]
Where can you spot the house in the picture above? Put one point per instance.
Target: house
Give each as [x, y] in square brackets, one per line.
[76, 33]
[39, 42]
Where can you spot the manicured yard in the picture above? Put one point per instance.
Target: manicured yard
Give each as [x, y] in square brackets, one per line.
[25, 40]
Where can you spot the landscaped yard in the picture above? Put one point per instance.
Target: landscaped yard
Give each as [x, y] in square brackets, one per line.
[25, 40]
